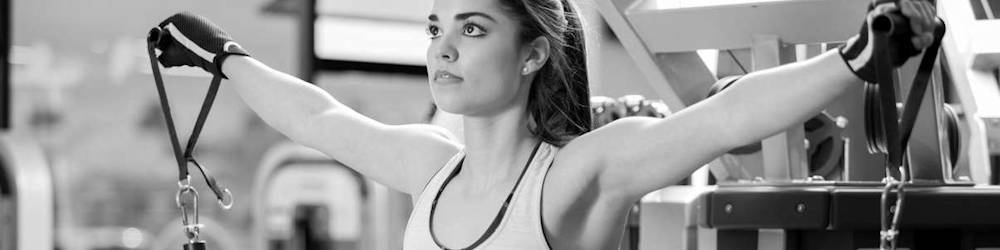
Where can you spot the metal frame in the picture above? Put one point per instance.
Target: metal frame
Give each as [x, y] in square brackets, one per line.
[841, 217]
[5, 43]
[33, 194]
[766, 27]
[384, 203]
[973, 51]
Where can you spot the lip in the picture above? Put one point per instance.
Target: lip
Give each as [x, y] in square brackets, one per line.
[445, 76]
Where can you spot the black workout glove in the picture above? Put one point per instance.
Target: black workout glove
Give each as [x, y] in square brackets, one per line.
[858, 50]
[190, 40]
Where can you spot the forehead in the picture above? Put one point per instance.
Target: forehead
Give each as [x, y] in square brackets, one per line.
[446, 9]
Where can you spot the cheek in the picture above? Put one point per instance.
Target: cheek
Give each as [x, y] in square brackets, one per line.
[494, 69]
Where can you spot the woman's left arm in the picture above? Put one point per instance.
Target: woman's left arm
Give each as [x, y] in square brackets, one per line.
[639, 155]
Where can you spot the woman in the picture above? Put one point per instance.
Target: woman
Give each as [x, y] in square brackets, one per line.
[531, 174]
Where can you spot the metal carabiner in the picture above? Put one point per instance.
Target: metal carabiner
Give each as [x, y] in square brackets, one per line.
[222, 200]
[189, 211]
[222, 195]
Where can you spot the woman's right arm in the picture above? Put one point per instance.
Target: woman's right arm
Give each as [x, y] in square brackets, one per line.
[402, 157]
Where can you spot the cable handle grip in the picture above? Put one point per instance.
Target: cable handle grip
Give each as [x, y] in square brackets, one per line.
[892, 24]
[895, 24]
[155, 39]
[154, 36]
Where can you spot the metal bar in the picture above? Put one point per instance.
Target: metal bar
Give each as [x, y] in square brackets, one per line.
[736, 239]
[613, 13]
[733, 26]
[342, 65]
[978, 91]
[307, 41]
[995, 170]
[988, 9]
[687, 74]
[5, 42]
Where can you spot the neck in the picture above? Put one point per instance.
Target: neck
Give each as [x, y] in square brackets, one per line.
[497, 148]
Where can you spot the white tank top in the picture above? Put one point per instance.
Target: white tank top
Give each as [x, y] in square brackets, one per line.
[521, 225]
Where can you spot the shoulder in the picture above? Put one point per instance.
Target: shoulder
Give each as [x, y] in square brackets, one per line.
[424, 149]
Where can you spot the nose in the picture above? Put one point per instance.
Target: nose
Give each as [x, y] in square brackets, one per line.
[444, 51]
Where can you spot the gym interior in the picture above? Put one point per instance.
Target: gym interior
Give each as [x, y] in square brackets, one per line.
[86, 159]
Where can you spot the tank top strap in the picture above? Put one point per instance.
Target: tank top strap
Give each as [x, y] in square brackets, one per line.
[442, 174]
[417, 232]
[524, 228]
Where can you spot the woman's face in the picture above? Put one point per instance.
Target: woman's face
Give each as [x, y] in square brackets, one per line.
[475, 58]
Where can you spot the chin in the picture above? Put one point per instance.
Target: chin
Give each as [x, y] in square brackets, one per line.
[449, 102]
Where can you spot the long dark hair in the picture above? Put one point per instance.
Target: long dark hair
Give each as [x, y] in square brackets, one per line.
[559, 99]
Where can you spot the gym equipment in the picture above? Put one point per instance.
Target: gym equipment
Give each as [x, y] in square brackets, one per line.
[27, 198]
[954, 141]
[886, 133]
[823, 134]
[166, 237]
[604, 110]
[305, 200]
[186, 198]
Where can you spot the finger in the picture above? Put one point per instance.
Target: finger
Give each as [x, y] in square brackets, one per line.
[907, 8]
[928, 39]
[165, 40]
[930, 13]
[922, 41]
[174, 56]
[930, 18]
[926, 16]
[885, 8]
[918, 42]
[923, 9]
[914, 14]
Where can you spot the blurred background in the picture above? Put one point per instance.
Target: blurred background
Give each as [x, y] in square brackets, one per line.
[81, 87]
[87, 162]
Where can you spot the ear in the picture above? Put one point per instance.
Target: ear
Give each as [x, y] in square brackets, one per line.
[534, 55]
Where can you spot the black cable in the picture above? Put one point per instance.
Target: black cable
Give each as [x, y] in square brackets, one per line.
[208, 179]
[737, 61]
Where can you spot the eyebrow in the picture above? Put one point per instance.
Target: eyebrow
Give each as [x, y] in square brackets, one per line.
[463, 16]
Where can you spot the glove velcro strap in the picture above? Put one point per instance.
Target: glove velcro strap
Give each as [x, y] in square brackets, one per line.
[857, 54]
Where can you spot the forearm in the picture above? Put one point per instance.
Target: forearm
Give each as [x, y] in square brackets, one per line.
[284, 102]
[766, 102]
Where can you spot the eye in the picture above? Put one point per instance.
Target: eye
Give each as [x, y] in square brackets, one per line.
[473, 30]
[433, 31]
